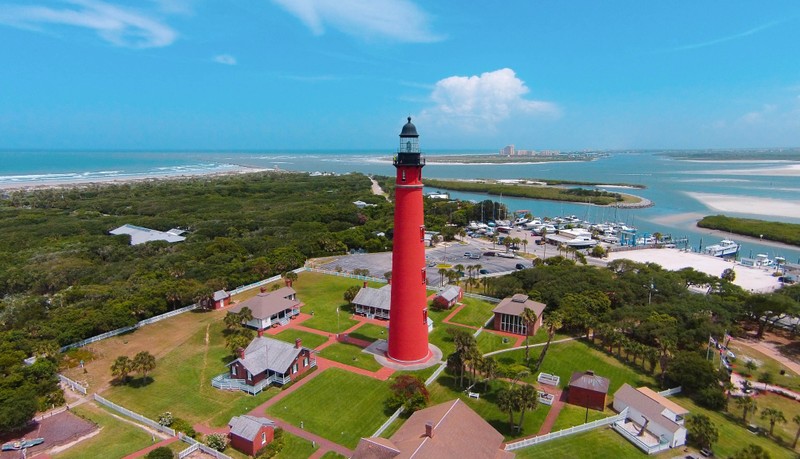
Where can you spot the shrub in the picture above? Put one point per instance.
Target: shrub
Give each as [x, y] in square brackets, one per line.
[217, 441]
[712, 398]
[162, 452]
[181, 425]
[165, 418]
[273, 448]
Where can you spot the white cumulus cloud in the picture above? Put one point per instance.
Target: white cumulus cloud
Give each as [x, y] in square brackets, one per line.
[116, 25]
[483, 101]
[399, 20]
[226, 59]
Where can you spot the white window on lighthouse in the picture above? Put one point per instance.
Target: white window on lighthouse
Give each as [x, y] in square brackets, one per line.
[403, 176]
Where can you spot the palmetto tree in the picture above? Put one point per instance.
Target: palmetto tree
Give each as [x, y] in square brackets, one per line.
[524, 243]
[121, 367]
[507, 402]
[553, 322]
[746, 404]
[527, 398]
[773, 415]
[490, 370]
[544, 239]
[529, 317]
[442, 275]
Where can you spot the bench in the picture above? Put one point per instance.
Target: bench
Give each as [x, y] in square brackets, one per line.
[547, 378]
[474, 395]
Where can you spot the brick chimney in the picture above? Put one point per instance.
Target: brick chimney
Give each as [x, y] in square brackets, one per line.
[263, 289]
[260, 333]
[429, 429]
[298, 343]
[365, 284]
[240, 351]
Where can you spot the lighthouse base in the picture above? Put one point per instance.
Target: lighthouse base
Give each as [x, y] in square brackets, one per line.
[379, 349]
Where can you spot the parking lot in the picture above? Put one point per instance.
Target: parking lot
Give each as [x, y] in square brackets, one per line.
[450, 253]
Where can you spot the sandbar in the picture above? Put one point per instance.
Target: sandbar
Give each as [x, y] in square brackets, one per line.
[792, 170]
[748, 278]
[748, 204]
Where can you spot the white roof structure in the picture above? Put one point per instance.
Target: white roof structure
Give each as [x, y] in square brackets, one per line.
[140, 235]
[268, 354]
[380, 298]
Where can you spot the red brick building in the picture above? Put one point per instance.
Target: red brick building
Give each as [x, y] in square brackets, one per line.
[221, 299]
[249, 434]
[266, 361]
[508, 315]
[448, 297]
[588, 390]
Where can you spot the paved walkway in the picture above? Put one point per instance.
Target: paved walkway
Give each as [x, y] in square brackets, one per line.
[555, 410]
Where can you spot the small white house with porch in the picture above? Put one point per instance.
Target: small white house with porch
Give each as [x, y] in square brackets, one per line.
[376, 303]
[654, 423]
[271, 309]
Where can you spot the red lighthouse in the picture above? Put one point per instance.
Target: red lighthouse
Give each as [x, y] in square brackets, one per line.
[408, 329]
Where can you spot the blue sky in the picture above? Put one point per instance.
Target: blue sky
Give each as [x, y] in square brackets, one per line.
[344, 74]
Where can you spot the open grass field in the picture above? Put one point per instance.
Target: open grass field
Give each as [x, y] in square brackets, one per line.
[602, 443]
[310, 340]
[182, 384]
[350, 354]
[446, 388]
[323, 294]
[790, 380]
[733, 436]
[371, 332]
[790, 408]
[565, 358]
[159, 339]
[571, 416]
[116, 439]
[474, 313]
[489, 342]
[441, 339]
[340, 406]
[294, 447]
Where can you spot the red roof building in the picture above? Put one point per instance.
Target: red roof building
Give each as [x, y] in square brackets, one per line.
[508, 315]
[447, 430]
[588, 390]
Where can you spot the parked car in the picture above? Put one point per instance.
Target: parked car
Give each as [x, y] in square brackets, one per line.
[506, 255]
[483, 271]
[475, 256]
[489, 254]
[520, 266]
[467, 254]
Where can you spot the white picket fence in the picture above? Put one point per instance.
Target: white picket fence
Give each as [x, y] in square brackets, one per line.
[138, 417]
[195, 445]
[673, 391]
[566, 432]
[72, 384]
[381, 280]
[489, 299]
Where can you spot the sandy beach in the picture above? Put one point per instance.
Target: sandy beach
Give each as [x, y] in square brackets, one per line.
[750, 279]
[748, 204]
[43, 185]
[790, 170]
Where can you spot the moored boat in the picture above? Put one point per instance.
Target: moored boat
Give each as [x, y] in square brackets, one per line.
[724, 248]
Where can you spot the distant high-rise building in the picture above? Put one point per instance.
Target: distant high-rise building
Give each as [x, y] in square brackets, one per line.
[508, 150]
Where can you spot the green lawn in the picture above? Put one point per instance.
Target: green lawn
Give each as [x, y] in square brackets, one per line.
[445, 388]
[340, 406]
[332, 455]
[565, 358]
[322, 295]
[474, 313]
[789, 408]
[789, 380]
[350, 354]
[601, 443]
[371, 332]
[116, 439]
[441, 339]
[182, 384]
[310, 340]
[489, 342]
[571, 416]
[294, 447]
[733, 436]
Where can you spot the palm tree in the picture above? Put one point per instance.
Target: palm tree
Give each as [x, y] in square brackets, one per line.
[246, 314]
[442, 274]
[506, 401]
[490, 369]
[529, 317]
[774, 415]
[143, 362]
[747, 404]
[796, 420]
[553, 322]
[524, 243]
[527, 399]
[121, 367]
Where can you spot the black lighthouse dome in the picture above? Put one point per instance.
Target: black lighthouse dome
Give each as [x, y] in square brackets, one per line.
[409, 130]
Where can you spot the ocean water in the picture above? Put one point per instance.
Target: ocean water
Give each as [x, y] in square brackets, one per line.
[670, 183]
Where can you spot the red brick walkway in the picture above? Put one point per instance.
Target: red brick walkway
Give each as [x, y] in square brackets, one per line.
[555, 409]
